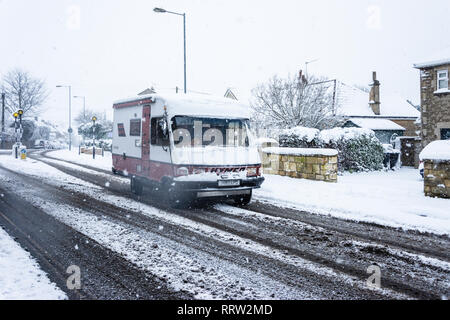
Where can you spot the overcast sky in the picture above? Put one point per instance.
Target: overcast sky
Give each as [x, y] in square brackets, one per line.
[110, 49]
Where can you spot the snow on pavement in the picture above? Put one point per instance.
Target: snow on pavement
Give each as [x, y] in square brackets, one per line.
[393, 198]
[20, 275]
[100, 162]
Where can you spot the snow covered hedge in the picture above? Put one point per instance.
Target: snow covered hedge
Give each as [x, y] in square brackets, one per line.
[359, 149]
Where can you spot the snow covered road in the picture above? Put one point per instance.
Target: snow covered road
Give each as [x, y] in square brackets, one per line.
[221, 251]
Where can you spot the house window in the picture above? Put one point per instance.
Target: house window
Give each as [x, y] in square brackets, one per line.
[442, 79]
[121, 130]
[135, 127]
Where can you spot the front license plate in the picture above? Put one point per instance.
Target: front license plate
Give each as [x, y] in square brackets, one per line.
[229, 183]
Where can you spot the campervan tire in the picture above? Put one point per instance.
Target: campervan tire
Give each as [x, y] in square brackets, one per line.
[175, 198]
[136, 186]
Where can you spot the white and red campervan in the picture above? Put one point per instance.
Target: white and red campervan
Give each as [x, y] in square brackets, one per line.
[192, 146]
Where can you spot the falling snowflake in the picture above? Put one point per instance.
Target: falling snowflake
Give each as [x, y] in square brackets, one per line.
[107, 184]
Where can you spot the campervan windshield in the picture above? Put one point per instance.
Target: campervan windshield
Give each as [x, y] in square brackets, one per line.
[203, 131]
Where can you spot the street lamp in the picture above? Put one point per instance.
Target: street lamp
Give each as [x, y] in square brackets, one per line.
[306, 65]
[160, 10]
[84, 105]
[70, 114]
[94, 119]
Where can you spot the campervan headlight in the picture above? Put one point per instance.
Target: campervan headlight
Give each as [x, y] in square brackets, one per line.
[252, 172]
[183, 171]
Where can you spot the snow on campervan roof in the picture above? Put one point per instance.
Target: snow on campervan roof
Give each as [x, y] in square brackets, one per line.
[194, 104]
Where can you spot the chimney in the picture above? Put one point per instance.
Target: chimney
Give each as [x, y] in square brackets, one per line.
[374, 96]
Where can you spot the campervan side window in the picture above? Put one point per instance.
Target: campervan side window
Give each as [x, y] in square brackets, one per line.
[121, 130]
[156, 135]
[135, 127]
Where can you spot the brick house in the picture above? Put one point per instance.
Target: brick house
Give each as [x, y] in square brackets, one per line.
[435, 97]
[385, 113]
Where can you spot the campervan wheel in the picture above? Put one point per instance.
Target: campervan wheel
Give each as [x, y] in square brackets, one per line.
[136, 186]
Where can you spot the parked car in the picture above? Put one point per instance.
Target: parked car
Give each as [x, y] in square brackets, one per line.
[39, 144]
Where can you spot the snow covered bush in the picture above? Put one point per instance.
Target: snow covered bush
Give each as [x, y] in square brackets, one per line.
[299, 137]
[362, 153]
[359, 149]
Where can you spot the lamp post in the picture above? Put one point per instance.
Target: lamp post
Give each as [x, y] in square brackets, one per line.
[15, 115]
[94, 118]
[160, 10]
[70, 114]
[306, 65]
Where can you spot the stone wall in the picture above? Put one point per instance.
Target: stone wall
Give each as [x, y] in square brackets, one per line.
[321, 167]
[437, 178]
[435, 107]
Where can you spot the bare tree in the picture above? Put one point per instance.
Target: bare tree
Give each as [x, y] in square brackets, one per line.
[23, 92]
[85, 116]
[294, 101]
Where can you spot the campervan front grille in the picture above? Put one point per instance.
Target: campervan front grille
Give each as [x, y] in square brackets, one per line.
[225, 170]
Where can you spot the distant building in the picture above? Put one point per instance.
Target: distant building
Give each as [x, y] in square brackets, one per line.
[147, 91]
[388, 115]
[435, 97]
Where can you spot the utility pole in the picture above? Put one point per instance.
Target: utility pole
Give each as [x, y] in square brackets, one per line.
[94, 118]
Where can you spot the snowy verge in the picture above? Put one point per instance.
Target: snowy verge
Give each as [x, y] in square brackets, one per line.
[100, 162]
[20, 275]
[393, 199]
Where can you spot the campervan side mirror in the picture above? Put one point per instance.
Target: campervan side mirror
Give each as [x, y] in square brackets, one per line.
[163, 126]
